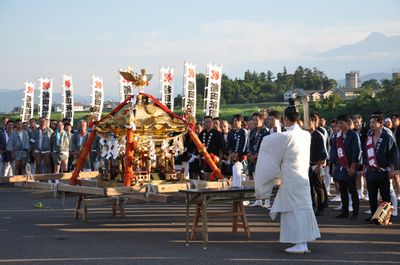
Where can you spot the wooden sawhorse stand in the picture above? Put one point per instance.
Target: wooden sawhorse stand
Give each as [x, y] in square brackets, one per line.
[201, 198]
[238, 211]
[81, 202]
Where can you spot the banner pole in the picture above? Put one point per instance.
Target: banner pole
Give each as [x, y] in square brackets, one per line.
[21, 112]
[183, 108]
[206, 81]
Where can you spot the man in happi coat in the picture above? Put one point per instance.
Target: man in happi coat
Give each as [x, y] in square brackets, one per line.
[40, 145]
[31, 158]
[237, 141]
[274, 118]
[19, 146]
[60, 144]
[318, 154]
[380, 155]
[326, 180]
[345, 155]
[77, 141]
[213, 141]
[255, 138]
[95, 154]
[287, 156]
[7, 164]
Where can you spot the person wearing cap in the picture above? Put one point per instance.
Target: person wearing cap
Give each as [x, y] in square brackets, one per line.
[287, 156]
[388, 123]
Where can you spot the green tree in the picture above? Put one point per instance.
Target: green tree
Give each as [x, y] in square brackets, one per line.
[299, 77]
[332, 102]
[372, 84]
[228, 93]
[178, 101]
[200, 84]
[270, 76]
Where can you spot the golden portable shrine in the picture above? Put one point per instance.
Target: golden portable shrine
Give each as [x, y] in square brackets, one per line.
[140, 139]
[149, 136]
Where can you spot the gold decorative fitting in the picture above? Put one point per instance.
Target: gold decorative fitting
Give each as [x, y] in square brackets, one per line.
[191, 119]
[92, 118]
[151, 109]
[202, 150]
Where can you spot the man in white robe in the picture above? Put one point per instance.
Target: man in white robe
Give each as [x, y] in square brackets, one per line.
[287, 156]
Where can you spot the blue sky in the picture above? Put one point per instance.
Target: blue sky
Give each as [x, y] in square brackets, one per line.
[51, 38]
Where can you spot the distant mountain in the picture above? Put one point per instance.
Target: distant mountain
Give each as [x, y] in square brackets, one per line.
[10, 99]
[13, 98]
[376, 53]
[376, 44]
[5, 90]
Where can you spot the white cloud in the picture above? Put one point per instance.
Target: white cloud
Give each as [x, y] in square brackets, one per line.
[234, 42]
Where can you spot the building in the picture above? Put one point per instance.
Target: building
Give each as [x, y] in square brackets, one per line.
[312, 95]
[77, 107]
[346, 93]
[16, 110]
[291, 94]
[353, 79]
[110, 104]
[325, 93]
[395, 74]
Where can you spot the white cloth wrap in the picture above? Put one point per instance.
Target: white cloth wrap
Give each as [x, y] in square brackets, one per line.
[237, 170]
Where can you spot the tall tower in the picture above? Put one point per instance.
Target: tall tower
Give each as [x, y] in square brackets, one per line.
[352, 79]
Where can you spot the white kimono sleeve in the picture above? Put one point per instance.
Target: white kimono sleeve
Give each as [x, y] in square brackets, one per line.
[269, 164]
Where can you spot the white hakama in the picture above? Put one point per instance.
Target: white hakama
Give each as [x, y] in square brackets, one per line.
[299, 227]
[287, 156]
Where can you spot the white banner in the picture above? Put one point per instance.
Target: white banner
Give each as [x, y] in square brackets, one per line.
[27, 101]
[45, 87]
[125, 87]
[67, 98]
[96, 96]
[213, 89]
[189, 88]
[167, 86]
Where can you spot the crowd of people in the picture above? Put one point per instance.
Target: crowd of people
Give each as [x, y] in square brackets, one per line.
[340, 155]
[345, 154]
[44, 146]
[308, 161]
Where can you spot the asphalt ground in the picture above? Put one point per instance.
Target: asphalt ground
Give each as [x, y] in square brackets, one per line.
[154, 233]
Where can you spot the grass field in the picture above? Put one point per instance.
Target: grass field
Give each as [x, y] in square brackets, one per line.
[226, 112]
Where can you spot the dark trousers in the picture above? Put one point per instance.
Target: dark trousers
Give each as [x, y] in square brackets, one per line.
[317, 184]
[384, 188]
[346, 187]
